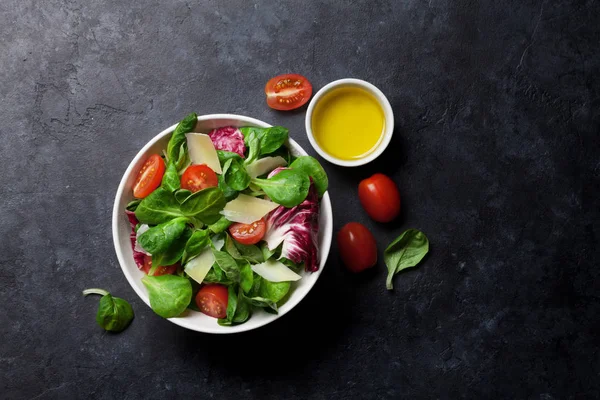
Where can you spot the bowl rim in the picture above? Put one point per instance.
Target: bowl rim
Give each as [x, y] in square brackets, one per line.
[387, 112]
[325, 209]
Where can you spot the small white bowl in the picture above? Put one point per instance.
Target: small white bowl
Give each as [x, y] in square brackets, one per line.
[387, 112]
[121, 229]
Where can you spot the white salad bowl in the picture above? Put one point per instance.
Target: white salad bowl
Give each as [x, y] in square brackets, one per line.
[192, 319]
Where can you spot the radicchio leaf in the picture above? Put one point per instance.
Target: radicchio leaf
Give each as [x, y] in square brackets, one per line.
[138, 256]
[228, 138]
[297, 228]
[276, 171]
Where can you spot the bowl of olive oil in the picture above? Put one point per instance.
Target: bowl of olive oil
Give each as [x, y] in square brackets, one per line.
[349, 122]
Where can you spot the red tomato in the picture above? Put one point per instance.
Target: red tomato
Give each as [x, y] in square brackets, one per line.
[198, 177]
[357, 247]
[379, 197]
[212, 300]
[149, 177]
[162, 270]
[288, 91]
[248, 233]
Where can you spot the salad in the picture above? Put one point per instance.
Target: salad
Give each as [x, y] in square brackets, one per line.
[224, 222]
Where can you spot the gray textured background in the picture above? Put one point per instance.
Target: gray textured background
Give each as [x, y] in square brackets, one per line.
[496, 154]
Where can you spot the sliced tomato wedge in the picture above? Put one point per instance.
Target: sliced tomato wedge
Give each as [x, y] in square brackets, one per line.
[248, 233]
[162, 270]
[149, 177]
[212, 300]
[288, 91]
[198, 177]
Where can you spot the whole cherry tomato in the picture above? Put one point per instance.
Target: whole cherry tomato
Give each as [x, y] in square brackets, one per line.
[357, 247]
[379, 197]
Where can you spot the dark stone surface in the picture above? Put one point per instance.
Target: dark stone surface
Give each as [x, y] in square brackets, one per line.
[496, 154]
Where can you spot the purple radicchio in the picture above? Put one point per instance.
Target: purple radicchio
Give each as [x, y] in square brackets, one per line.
[228, 138]
[297, 228]
[138, 256]
[276, 171]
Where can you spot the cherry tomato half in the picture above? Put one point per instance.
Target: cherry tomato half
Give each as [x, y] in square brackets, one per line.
[357, 247]
[149, 177]
[162, 270]
[288, 91]
[248, 233]
[212, 300]
[198, 177]
[379, 197]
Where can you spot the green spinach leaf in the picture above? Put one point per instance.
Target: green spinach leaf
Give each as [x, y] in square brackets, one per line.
[235, 175]
[216, 275]
[257, 193]
[284, 153]
[114, 314]
[269, 139]
[256, 281]
[205, 205]
[169, 294]
[289, 263]
[406, 251]
[238, 309]
[227, 190]
[158, 238]
[273, 291]
[181, 195]
[264, 248]
[220, 226]
[240, 251]
[228, 265]
[315, 170]
[133, 204]
[160, 206]
[173, 254]
[242, 312]
[231, 249]
[176, 145]
[272, 139]
[288, 188]
[184, 159]
[246, 275]
[258, 301]
[253, 143]
[250, 253]
[195, 245]
[231, 307]
[227, 155]
[170, 179]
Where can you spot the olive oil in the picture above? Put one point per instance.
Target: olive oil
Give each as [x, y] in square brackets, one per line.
[348, 123]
